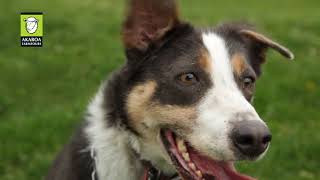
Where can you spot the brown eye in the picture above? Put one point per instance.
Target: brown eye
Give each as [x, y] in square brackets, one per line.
[188, 78]
[248, 82]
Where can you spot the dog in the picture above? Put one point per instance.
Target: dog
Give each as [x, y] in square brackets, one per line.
[180, 107]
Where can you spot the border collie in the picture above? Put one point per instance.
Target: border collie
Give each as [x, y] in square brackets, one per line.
[179, 108]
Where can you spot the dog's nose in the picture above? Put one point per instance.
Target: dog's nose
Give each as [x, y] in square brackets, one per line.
[251, 137]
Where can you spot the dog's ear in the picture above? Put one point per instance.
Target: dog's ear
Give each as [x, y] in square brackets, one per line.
[147, 22]
[259, 44]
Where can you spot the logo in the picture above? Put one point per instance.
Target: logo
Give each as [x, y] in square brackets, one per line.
[31, 24]
[31, 29]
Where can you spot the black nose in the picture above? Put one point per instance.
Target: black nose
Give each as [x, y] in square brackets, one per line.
[251, 137]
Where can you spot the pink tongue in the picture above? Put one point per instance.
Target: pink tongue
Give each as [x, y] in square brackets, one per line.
[220, 170]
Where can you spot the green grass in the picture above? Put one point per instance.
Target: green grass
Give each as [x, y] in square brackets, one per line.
[44, 91]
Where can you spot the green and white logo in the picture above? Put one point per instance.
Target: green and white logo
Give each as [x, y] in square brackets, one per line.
[31, 29]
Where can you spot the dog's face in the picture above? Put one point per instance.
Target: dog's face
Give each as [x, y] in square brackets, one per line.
[191, 93]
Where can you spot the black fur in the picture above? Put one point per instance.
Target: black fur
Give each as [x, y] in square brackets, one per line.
[74, 161]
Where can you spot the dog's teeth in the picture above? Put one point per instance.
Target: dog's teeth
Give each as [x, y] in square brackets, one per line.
[181, 145]
[192, 166]
[199, 173]
[186, 156]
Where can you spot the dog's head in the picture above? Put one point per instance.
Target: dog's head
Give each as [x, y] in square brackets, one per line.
[190, 98]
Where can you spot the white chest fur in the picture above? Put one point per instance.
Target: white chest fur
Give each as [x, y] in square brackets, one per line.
[114, 158]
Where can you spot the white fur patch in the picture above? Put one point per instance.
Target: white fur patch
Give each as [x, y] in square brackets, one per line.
[222, 105]
[113, 146]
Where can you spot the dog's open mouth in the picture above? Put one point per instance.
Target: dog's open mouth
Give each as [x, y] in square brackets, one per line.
[191, 165]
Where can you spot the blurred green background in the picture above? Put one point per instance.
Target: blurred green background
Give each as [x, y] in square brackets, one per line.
[44, 91]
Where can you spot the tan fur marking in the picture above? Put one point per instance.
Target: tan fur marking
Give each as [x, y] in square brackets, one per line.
[239, 63]
[146, 115]
[204, 61]
[138, 100]
[173, 115]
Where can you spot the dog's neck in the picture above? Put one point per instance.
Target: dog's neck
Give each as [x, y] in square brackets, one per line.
[115, 159]
[118, 153]
[112, 146]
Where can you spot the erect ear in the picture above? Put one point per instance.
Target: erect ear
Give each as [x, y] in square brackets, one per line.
[259, 46]
[147, 22]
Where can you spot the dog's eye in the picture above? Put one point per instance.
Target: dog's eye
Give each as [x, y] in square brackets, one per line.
[248, 86]
[188, 78]
[248, 82]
